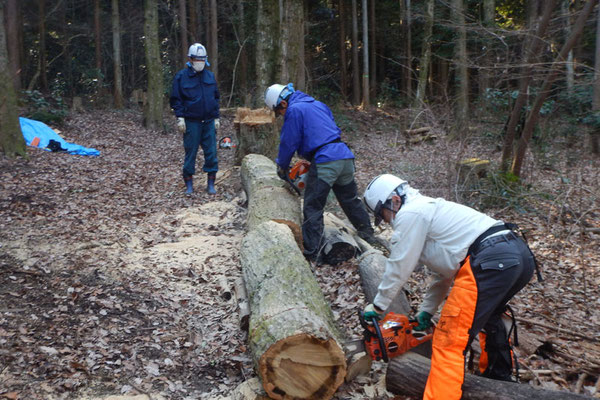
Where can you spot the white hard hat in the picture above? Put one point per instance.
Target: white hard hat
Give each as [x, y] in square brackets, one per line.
[275, 93]
[379, 191]
[197, 51]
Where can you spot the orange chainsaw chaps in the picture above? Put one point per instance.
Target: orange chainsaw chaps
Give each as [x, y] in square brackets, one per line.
[396, 331]
[451, 338]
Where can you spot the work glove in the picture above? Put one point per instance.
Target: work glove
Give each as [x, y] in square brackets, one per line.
[217, 123]
[424, 320]
[181, 124]
[281, 173]
[372, 312]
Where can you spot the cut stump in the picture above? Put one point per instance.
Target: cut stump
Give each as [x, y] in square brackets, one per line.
[257, 132]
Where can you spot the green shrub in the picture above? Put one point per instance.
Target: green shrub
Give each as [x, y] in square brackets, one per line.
[47, 109]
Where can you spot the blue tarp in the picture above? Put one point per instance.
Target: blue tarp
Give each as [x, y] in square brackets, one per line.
[35, 129]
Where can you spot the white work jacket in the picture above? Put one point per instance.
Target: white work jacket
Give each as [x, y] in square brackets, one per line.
[433, 232]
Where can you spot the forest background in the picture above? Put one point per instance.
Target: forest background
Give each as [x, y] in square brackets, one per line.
[511, 82]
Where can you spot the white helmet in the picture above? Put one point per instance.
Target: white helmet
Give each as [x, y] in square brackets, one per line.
[275, 93]
[379, 191]
[197, 52]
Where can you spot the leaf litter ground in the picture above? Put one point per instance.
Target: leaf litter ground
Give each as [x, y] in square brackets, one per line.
[115, 283]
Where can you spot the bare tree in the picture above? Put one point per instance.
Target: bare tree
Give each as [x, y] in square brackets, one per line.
[343, 60]
[425, 54]
[569, 67]
[267, 32]
[98, 42]
[595, 136]
[184, 30]
[116, 40]
[292, 42]
[406, 23]
[461, 77]
[42, 44]
[153, 110]
[243, 55]
[355, 69]
[11, 138]
[372, 51]
[365, 80]
[546, 86]
[489, 13]
[12, 34]
[214, 42]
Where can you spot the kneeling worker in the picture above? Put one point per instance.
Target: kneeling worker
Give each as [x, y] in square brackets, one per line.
[487, 262]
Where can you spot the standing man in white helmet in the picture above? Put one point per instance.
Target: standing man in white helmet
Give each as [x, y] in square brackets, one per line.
[484, 258]
[195, 101]
[309, 129]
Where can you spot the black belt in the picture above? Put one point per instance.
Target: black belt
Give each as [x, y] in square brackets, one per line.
[494, 229]
[313, 153]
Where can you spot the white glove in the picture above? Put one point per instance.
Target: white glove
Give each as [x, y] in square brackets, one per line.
[217, 123]
[181, 124]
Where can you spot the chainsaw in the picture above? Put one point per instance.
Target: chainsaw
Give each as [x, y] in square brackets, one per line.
[388, 338]
[297, 175]
[226, 143]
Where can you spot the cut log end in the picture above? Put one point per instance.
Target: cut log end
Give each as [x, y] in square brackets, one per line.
[303, 367]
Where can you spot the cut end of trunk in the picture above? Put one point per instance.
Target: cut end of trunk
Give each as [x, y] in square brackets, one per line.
[303, 367]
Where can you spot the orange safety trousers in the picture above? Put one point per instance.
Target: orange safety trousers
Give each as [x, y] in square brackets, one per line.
[451, 338]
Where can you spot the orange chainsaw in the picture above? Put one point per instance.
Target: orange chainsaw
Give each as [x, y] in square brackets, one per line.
[298, 174]
[388, 338]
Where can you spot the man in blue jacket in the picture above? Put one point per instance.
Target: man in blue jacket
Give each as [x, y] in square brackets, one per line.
[309, 129]
[195, 101]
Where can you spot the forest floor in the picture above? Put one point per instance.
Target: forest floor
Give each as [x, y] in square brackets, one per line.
[114, 283]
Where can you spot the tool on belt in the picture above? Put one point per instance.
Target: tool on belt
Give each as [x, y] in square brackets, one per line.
[388, 338]
[297, 175]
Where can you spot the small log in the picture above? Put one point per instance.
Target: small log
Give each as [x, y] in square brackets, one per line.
[293, 338]
[339, 246]
[470, 170]
[407, 375]
[241, 296]
[417, 131]
[257, 132]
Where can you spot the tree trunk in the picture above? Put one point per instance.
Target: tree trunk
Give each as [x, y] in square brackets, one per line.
[293, 338]
[98, 43]
[214, 39]
[407, 375]
[153, 110]
[11, 138]
[425, 55]
[268, 196]
[193, 30]
[116, 39]
[406, 22]
[461, 76]
[343, 60]
[12, 35]
[292, 43]
[595, 134]
[244, 94]
[489, 13]
[372, 51]
[365, 38]
[184, 30]
[546, 86]
[355, 69]
[42, 56]
[569, 67]
[529, 53]
[257, 132]
[267, 52]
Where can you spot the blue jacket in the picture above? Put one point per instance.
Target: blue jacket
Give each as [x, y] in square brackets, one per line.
[308, 125]
[195, 95]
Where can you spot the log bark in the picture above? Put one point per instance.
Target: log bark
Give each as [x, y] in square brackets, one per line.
[339, 246]
[268, 197]
[407, 375]
[293, 338]
[257, 132]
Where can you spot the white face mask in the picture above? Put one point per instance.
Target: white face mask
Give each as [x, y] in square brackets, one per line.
[198, 65]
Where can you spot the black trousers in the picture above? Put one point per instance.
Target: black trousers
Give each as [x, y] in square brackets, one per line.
[315, 199]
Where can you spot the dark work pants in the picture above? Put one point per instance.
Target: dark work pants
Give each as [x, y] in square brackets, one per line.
[199, 133]
[315, 199]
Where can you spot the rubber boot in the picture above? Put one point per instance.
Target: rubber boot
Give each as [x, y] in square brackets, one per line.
[189, 185]
[210, 186]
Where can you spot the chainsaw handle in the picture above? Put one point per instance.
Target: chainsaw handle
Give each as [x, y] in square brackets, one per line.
[384, 355]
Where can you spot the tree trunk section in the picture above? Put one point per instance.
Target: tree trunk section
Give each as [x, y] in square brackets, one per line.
[257, 132]
[98, 43]
[407, 375]
[293, 338]
[42, 56]
[12, 42]
[355, 68]
[461, 77]
[267, 51]
[338, 246]
[343, 59]
[489, 13]
[569, 67]
[244, 94]
[372, 51]
[546, 86]
[292, 43]
[11, 138]
[425, 56]
[153, 110]
[268, 196]
[116, 39]
[214, 46]
[405, 23]
[184, 30]
[365, 38]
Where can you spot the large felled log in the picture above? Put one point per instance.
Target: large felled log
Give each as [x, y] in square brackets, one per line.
[292, 335]
[268, 198]
[257, 132]
[407, 375]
